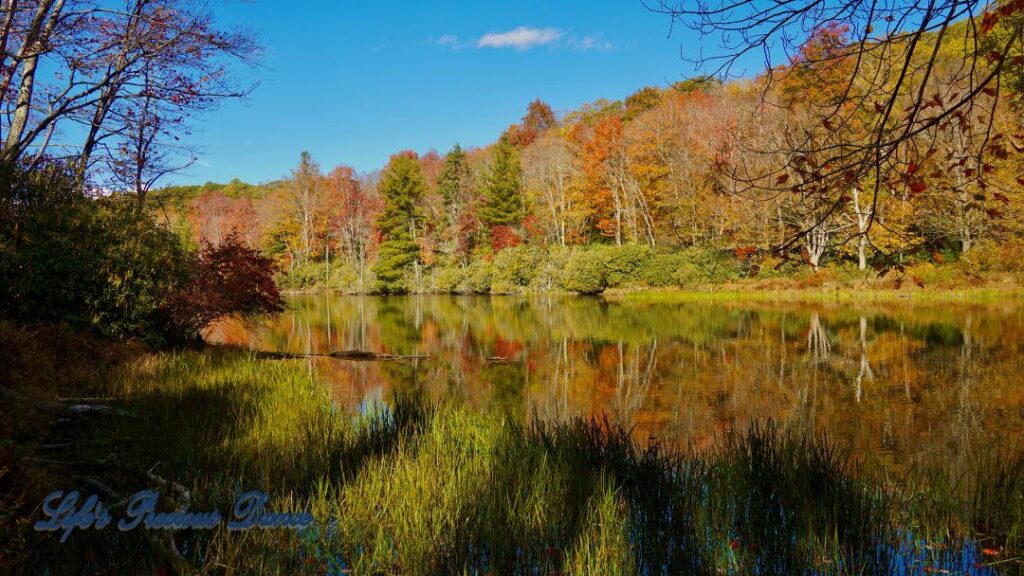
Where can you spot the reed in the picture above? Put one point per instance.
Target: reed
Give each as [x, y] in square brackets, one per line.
[421, 487]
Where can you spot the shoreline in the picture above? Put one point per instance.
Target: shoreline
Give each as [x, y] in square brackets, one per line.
[741, 293]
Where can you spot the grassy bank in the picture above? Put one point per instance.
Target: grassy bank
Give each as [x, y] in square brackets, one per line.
[426, 488]
[753, 293]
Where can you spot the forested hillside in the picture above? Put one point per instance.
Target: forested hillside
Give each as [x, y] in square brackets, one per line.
[693, 184]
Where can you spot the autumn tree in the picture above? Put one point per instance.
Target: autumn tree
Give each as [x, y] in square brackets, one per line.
[814, 86]
[455, 187]
[644, 178]
[889, 63]
[401, 188]
[218, 215]
[229, 279]
[305, 198]
[101, 68]
[641, 101]
[539, 118]
[598, 156]
[550, 171]
[351, 209]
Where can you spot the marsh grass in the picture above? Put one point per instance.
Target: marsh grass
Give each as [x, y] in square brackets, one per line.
[821, 295]
[438, 488]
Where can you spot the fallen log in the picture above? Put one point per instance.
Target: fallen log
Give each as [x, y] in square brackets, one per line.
[62, 408]
[354, 355]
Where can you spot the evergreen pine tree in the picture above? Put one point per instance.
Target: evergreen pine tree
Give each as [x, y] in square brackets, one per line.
[503, 188]
[452, 182]
[402, 187]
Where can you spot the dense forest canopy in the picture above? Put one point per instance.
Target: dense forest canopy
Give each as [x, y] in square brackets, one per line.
[888, 133]
[779, 170]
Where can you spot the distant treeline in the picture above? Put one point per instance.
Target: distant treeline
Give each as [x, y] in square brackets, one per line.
[698, 170]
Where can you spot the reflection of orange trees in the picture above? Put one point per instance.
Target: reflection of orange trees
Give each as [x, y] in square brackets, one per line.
[898, 383]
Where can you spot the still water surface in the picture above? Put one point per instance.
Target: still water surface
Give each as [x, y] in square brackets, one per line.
[896, 382]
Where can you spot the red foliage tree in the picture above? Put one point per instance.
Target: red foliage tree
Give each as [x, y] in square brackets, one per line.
[504, 237]
[229, 279]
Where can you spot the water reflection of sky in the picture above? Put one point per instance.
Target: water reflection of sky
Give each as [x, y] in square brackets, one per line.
[896, 382]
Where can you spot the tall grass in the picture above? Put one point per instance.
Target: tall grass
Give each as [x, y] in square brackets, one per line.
[437, 488]
[821, 295]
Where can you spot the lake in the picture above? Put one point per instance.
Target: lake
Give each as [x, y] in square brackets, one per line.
[898, 383]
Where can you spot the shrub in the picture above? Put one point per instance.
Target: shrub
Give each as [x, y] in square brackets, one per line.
[477, 278]
[660, 269]
[549, 271]
[515, 269]
[691, 267]
[772, 267]
[100, 263]
[623, 262]
[585, 272]
[227, 279]
[105, 263]
[991, 256]
[301, 276]
[344, 277]
[445, 278]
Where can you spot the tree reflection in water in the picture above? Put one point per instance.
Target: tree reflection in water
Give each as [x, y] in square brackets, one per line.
[896, 382]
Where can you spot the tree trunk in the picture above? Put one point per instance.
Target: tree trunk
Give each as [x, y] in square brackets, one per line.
[35, 40]
[863, 219]
[817, 242]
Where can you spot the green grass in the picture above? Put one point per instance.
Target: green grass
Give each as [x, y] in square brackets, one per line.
[816, 295]
[424, 488]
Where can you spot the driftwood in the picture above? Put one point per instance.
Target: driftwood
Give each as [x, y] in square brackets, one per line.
[354, 355]
[67, 407]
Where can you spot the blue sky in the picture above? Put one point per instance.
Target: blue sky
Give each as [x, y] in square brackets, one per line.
[354, 82]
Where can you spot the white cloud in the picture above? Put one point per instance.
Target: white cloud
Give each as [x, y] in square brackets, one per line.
[448, 40]
[590, 43]
[522, 38]
[527, 37]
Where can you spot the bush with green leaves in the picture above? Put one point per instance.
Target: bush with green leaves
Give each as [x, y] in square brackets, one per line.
[101, 262]
[586, 272]
[623, 262]
[338, 277]
[691, 267]
[445, 277]
[477, 277]
[548, 275]
[660, 269]
[106, 264]
[302, 276]
[515, 269]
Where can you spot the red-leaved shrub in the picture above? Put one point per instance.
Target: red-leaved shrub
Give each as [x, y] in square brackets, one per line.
[229, 279]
